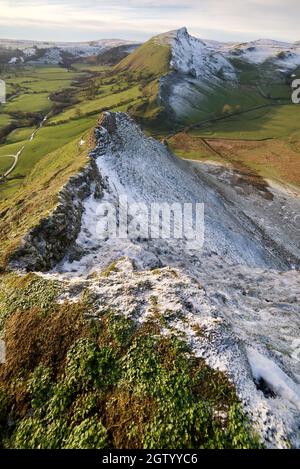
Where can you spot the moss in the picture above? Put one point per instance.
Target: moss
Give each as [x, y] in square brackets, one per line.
[21, 293]
[109, 383]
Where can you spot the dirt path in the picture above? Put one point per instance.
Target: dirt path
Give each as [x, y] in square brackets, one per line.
[18, 154]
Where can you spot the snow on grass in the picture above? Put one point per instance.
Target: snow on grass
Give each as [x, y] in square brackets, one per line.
[283, 54]
[191, 56]
[278, 381]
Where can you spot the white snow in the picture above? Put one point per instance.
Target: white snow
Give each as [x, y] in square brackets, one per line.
[282, 54]
[191, 56]
[233, 290]
[276, 379]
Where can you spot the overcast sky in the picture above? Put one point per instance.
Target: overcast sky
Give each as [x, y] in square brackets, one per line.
[77, 20]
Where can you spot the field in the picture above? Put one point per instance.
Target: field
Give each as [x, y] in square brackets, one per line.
[72, 100]
[265, 142]
[109, 100]
[256, 131]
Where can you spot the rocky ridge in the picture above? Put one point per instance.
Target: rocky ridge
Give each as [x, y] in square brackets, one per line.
[221, 299]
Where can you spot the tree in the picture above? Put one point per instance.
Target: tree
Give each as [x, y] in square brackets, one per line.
[227, 109]
[92, 90]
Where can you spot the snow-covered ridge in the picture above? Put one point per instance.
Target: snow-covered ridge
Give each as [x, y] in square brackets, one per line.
[281, 53]
[233, 290]
[201, 57]
[192, 56]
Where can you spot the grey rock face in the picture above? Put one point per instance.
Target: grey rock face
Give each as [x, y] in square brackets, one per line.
[46, 244]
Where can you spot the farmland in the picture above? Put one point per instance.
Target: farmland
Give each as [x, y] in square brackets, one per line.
[72, 101]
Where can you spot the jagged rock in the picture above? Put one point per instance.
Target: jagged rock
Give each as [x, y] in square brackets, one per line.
[46, 244]
[108, 121]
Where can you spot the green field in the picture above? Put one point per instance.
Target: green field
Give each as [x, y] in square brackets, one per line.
[99, 103]
[75, 97]
[281, 121]
[46, 141]
[29, 103]
[90, 68]
[5, 119]
[5, 163]
[10, 149]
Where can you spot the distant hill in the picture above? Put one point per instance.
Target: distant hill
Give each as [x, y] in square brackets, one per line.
[112, 56]
[190, 79]
[19, 51]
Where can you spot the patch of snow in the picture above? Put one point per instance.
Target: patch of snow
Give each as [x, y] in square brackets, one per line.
[282, 54]
[278, 381]
[54, 50]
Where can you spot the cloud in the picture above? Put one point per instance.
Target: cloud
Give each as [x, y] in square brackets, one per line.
[140, 19]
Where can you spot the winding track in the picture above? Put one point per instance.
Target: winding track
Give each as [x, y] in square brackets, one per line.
[18, 154]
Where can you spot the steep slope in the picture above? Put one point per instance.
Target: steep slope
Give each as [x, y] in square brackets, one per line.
[151, 58]
[219, 297]
[187, 71]
[197, 79]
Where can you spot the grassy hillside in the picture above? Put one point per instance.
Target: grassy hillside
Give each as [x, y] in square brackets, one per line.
[69, 382]
[72, 100]
[152, 58]
[23, 208]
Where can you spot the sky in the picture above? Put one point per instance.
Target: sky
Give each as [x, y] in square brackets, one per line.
[138, 20]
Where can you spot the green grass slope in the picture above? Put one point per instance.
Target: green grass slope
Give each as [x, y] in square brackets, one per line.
[152, 58]
[24, 206]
